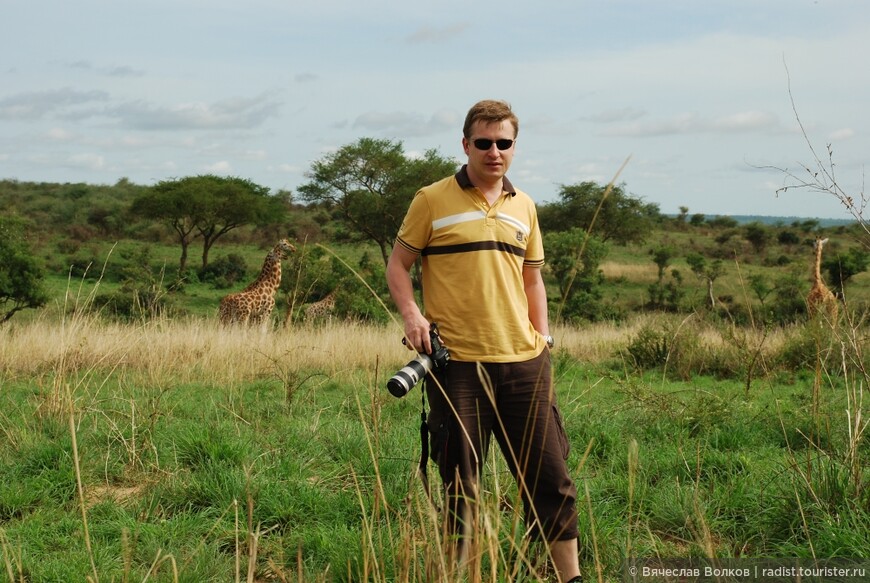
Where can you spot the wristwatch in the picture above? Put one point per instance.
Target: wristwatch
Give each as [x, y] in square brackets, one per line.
[551, 342]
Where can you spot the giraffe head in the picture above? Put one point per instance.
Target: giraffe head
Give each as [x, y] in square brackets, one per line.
[283, 248]
[819, 243]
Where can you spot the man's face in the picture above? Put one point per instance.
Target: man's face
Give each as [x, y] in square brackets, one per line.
[490, 164]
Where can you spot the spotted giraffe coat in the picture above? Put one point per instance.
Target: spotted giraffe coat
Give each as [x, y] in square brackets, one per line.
[254, 304]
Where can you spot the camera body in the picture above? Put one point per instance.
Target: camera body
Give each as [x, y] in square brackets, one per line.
[409, 375]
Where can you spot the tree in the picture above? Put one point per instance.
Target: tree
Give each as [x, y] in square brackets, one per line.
[697, 219]
[758, 236]
[174, 203]
[207, 206]
[574, 259]
[371, 183]
[788, 238]
[722, 222]
[21, 278]
[683, 216]
[619, 218]
[789, 303]
[843, 266]
[662, 256]
[665, 295]
[760, 286]
[230, 203]
[709, 272]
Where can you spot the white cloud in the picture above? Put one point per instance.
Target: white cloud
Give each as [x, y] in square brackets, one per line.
[123, 71]
[107, 70]
[693, 123]
[88, 161]
[617, 115]
[254, 155]
[430, 34]
[59, 135]
[399, 123]
[31, 105]
[287, 168]
[231, 113]
[841, 134]
[133, 141]
[746, 121]
[221, 167]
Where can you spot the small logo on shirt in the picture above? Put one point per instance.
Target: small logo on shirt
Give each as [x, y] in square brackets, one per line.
[520, 236]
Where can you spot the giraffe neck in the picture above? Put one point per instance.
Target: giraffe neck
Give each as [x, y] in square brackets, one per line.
[817, 267]
[270, 275]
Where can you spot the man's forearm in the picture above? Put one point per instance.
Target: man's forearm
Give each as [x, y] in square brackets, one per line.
[402, 292]
[536, 295]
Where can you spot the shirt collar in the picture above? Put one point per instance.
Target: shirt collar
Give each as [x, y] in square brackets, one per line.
[465, 182]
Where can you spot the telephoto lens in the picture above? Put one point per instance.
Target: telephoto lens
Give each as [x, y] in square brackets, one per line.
[409, 375]
[403, 381]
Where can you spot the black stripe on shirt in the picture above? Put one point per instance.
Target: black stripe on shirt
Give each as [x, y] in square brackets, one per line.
[475, 246]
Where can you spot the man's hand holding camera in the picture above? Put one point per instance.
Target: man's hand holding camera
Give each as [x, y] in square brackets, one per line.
[437, 358]
[417, 334]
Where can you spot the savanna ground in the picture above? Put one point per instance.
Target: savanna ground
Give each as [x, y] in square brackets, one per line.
[170, 449]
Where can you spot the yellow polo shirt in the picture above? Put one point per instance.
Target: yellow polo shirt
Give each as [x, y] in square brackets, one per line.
[473, 258]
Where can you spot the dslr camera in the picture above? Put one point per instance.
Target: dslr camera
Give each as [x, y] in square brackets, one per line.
[410, 374]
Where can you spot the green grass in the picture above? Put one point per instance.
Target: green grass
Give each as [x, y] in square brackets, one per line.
[184, 473]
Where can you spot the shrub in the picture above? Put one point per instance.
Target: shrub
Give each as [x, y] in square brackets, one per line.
[90, 267]
[81, 233]
[588, 306]
[788, 305]
[650, 348]
[224, 272]
[801, 351]
[129, 305]
[682, 352]
[21, 276]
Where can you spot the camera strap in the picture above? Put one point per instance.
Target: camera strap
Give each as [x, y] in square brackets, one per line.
[423, 468]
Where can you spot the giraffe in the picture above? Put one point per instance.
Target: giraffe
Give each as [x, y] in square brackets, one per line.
[821, 299]
[254, 304]
[321, 308]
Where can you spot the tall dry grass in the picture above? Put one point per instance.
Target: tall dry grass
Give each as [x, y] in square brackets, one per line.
[635, 272]
[193, 349]
[201, 350]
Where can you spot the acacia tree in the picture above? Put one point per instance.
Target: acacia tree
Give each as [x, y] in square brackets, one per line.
[758, 236]
[371, 183]
[619, 217]
[21, 278]
[230, 203]
[207, 206]
[665, 295]
[709, 272]
[166, 202]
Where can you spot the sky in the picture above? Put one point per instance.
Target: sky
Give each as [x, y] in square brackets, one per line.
[704, 99]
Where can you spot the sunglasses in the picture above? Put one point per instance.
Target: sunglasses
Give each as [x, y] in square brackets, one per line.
[486, 144]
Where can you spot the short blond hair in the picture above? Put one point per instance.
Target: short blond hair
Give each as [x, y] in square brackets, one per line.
[490, 111]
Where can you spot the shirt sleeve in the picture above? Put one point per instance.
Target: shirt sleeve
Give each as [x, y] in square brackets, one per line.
[535, 248]
[416, 229]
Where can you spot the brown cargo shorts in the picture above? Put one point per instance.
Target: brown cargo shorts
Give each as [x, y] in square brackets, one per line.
[515, 403]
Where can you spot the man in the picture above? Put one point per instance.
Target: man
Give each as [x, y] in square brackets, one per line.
[482, 256]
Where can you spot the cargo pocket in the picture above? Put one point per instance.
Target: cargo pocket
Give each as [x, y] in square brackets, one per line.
[439, 437]
[560, 432]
